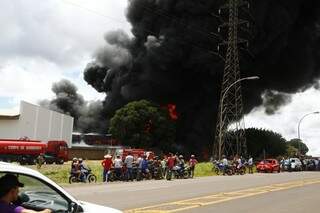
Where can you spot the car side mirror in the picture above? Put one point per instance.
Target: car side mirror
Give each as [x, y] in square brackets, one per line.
[74, 208]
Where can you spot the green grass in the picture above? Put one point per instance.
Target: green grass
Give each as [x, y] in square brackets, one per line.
[204, 169]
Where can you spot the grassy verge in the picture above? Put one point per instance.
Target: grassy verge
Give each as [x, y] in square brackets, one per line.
[60, 173]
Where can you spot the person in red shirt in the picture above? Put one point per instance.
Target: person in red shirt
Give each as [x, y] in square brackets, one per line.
[106, 164]
[192, 163]
[170, 164]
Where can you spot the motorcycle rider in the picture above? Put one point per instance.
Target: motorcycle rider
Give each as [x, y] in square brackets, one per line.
[83, 170]
[181, 165]
[75, 169]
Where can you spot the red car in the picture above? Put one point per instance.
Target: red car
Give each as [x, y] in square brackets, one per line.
[268, 165]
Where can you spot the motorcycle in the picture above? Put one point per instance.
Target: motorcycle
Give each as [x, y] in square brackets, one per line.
[218, 168]
[239, 170]
[143, 174]
[89, 177]
[181, 173]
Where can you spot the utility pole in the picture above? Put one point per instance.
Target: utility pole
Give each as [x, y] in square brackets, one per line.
[230, 130]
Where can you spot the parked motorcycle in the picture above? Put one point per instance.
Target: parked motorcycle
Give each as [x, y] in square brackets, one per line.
[218, 168]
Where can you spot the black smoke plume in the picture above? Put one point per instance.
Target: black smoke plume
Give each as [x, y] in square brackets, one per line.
[88, 116]
[169, 59]
[272, 101]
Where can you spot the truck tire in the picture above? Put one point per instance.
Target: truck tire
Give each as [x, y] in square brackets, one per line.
[60, 161]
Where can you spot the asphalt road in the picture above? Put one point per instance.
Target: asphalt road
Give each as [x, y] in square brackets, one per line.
[284, 192]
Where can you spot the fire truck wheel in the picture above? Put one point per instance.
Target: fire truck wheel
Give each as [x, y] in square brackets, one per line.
[60, 161]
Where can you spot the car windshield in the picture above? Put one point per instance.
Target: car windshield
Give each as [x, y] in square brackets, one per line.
[37, 195]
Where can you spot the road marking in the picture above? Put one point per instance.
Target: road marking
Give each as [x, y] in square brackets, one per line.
[181, 205]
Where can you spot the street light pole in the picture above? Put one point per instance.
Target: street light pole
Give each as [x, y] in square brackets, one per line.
[316, 112]
[221, 107]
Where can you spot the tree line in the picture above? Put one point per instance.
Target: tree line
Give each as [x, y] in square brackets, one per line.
[142, 124]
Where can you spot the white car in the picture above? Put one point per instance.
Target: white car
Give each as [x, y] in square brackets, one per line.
[39, 192]
[296, 164]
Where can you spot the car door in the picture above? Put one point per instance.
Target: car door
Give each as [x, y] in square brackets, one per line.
[38, 195]
[276, 165]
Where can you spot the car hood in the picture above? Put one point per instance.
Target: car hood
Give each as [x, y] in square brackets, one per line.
[94, 208]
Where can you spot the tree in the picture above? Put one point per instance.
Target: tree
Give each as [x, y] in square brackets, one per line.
[291, 151]
[299, 145]
[260, 140]
[142, 124]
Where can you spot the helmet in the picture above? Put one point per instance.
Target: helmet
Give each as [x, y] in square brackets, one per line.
[80, 160]
[192, 156]
[74, 159]
[180, 156]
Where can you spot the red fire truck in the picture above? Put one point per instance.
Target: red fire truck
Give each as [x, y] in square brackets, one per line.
[26, 151]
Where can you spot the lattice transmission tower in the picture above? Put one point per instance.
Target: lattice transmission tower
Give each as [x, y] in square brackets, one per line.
[230, 130]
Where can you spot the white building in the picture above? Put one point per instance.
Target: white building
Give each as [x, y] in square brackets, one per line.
[36, 123]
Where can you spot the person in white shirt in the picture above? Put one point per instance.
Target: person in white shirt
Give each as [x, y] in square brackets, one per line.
[118, 167]
[225, 164]
[250, 164]
[129, 163]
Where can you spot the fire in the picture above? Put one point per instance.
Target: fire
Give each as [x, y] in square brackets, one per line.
[172, 109]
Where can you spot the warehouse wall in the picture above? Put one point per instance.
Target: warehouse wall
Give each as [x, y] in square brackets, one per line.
[38, 123]
[8, 129]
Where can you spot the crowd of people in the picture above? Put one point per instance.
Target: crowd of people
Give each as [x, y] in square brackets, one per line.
[236, 165]
[144, 167]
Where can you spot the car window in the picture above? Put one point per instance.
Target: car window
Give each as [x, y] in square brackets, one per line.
[38, 195]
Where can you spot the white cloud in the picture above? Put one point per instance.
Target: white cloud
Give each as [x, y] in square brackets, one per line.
[45, 41]
[286, 120]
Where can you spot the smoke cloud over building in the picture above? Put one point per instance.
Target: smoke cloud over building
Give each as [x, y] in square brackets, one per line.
[169, 59]
[88, 116]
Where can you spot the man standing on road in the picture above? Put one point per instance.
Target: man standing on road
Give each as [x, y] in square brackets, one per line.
[192, 163]
[170, 164]
[250, 165]
[106, 164]
[129, 163]
[9, 190]
[118, 167]
[225, 164]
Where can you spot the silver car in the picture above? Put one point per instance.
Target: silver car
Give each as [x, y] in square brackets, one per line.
[39, 192]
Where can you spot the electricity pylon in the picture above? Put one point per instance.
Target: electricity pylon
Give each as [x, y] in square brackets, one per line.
[230, 130]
